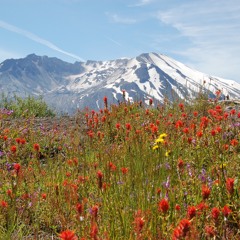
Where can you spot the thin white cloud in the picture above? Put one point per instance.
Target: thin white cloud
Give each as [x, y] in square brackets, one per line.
[114, 41]
[37, 39]
[142, 3]
[213, 31]
[120, 19]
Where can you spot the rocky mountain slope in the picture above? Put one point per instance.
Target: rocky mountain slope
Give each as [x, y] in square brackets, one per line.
[66, 86]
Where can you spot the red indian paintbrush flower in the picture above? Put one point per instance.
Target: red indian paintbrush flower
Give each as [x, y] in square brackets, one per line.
[9, 193]
[118, 126]
[195, 113]
[179, 124]
[180, 163]
[177, 207]
[23, 141]
[218, 92]
[191, 211]
[177, 234]
[205, 192]
[218, 129]
[112, 166]
[99, 174]
[36, 147]
[225, 147]
[186, 130]
[181, 230]
[201, 207]
[103, 119]
[210, 231]
[94, 231]
[139, 224]
[226, 211]
[68, 235]
[234, 142]
[215, 213]
[44, 196]
[13, 149]
[105, 100]
[213, 132]
[100, 177]
[17, 167]
[181, 106]
[230, 185]
[199, 134]
[233, 112]
[184, 226]
[163, 206]
[94, 211]
[79, 208]
[128, 126]
[204, 122]
[4, 204]
[124, 170]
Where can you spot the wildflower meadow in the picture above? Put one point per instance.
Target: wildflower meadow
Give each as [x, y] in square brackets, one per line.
[128, 171]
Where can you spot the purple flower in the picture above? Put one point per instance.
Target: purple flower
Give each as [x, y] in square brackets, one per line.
[6, 111]
[210, 181]
[167, 166]
[237, 124]
[167, 195]
[227, 135]
[9, 166]
[120, 182]
[189, 170]
[203, 176]
[167, 183]
[42, 128]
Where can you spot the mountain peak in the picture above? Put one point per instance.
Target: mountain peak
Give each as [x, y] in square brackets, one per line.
[149, 54]
[67, 86]
[149, 57]
[32, 55]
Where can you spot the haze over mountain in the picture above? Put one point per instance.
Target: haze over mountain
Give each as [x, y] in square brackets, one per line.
[66, 86]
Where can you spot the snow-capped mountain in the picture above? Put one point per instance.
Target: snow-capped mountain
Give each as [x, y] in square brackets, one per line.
[67, 86]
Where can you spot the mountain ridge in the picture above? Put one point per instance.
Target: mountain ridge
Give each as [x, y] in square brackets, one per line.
[70, 86]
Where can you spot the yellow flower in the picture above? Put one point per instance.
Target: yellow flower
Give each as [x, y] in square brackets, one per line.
[167, 154]
[159, 140]
[163, 135]
[155, 147]
[224, 165]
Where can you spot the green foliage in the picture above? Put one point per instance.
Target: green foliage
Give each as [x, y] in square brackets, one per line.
[26, 107]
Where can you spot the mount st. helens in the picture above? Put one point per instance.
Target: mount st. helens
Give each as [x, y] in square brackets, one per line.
[67, 87]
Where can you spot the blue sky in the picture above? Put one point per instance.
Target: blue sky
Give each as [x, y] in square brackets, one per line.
[204, 34]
